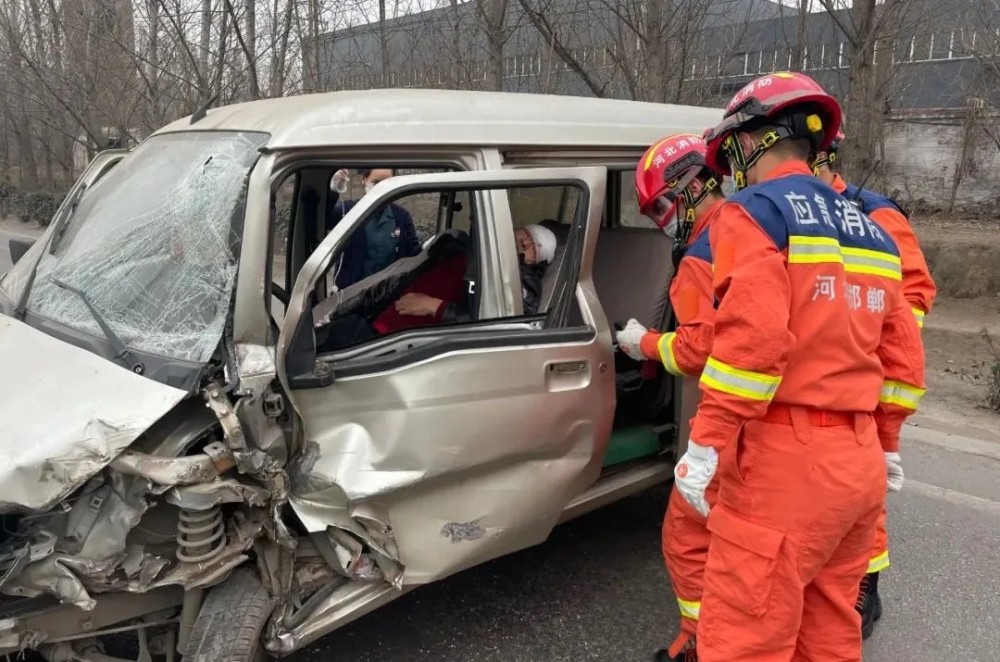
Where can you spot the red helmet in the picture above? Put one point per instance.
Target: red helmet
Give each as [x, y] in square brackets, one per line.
[774, 96]
[663, 174]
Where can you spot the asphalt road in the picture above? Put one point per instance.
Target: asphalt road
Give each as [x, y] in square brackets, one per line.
[597, 590]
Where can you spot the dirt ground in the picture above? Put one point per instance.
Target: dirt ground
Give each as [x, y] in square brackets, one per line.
[964, 255]
[957, 341]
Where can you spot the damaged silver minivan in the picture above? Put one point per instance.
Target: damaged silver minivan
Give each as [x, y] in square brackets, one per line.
[217, 445]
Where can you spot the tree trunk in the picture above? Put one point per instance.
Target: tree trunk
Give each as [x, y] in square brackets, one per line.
[494, 16]
[863, 109]
[205, 50]
[383, 44]
[250, 40]
[798, 50]
[281, 50]
[654, 69]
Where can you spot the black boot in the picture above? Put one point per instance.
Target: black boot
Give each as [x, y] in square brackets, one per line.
[869, 604]
[688, 654]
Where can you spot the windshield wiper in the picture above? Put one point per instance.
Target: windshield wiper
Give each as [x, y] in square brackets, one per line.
[121, 351]
[57, 231]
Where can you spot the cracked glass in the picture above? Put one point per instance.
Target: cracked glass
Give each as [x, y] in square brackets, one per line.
[154, 246]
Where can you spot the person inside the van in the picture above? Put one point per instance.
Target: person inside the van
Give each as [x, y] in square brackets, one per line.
[536, 248]
[384, 238]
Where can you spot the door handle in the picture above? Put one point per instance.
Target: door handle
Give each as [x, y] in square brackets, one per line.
[567, 375]
[568, 367]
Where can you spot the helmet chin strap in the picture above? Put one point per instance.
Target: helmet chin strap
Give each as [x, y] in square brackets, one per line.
[827, 160]
[691, 201]
[792, 127]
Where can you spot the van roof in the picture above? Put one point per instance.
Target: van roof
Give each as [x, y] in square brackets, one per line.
[452, 117]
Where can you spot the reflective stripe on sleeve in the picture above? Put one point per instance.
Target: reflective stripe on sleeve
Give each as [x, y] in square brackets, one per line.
[813, 250]
[904, 395]
[666, 347]
[879, 563]
[820, 250]
[689, 609]
[877, 263]
[735, 381]
[919, 316]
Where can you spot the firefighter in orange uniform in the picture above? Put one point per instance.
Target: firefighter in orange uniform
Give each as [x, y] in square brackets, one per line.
[919, 291]
[816, 357]
[673, 182]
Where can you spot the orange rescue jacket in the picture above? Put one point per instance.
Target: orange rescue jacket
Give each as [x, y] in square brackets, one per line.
[918, 285]
[683, 352]
[810, 312]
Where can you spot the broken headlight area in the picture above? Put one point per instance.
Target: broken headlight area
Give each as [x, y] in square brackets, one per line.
[171, 509]
[200, 493]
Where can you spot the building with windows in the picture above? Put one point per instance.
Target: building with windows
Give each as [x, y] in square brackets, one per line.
[938, 68]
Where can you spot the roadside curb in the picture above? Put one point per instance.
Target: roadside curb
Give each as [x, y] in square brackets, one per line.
[952, 442]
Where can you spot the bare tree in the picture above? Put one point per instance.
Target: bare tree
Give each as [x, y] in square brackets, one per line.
[871, 29]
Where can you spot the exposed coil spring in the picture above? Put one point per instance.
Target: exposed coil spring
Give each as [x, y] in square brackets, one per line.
[201, 534]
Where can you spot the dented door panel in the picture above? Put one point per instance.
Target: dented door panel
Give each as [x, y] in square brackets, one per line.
[461, 476]
[469, 454]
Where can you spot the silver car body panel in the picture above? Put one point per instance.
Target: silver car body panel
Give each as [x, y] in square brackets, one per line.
[399, 118]
[67, 414]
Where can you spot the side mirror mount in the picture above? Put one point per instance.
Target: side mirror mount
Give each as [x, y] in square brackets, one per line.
[303, 370]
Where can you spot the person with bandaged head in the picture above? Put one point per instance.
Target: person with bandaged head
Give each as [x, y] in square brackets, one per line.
[536, 248]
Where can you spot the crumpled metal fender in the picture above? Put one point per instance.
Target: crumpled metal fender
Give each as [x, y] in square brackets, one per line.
[66, 413]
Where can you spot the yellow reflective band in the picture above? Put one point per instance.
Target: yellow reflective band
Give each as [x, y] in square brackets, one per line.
[876, 263]
[743, 383]
[904, 395]
[667, 356]
[919, 316]
[813, 250]
[879, 563]
[689, 609]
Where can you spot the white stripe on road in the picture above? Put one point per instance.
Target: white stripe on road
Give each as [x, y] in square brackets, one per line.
[952, 442]
[952, 496]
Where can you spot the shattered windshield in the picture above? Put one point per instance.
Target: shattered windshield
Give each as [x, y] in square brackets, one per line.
[153, 246]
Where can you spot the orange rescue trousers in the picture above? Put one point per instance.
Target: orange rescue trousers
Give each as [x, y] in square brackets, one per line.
[685, 548]
[791, 538]
[685, 540]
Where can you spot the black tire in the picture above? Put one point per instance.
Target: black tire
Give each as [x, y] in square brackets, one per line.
[231, 620]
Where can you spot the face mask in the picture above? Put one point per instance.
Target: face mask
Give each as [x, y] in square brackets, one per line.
[368, 187]
[670, 228]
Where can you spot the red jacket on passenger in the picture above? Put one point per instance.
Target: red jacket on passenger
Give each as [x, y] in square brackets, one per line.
[684, 351]
[444, 281]
[810, 311]
[918, 286]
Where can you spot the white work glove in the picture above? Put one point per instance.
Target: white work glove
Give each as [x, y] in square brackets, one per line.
[629, 339]
[894, 471]
[693, 474]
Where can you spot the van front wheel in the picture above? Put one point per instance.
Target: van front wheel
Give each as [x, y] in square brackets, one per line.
[231, 620]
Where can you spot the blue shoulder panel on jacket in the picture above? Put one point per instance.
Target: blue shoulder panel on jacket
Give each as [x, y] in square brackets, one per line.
[802, 205]
[759, 205]
[701, 248]
[870, 201]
